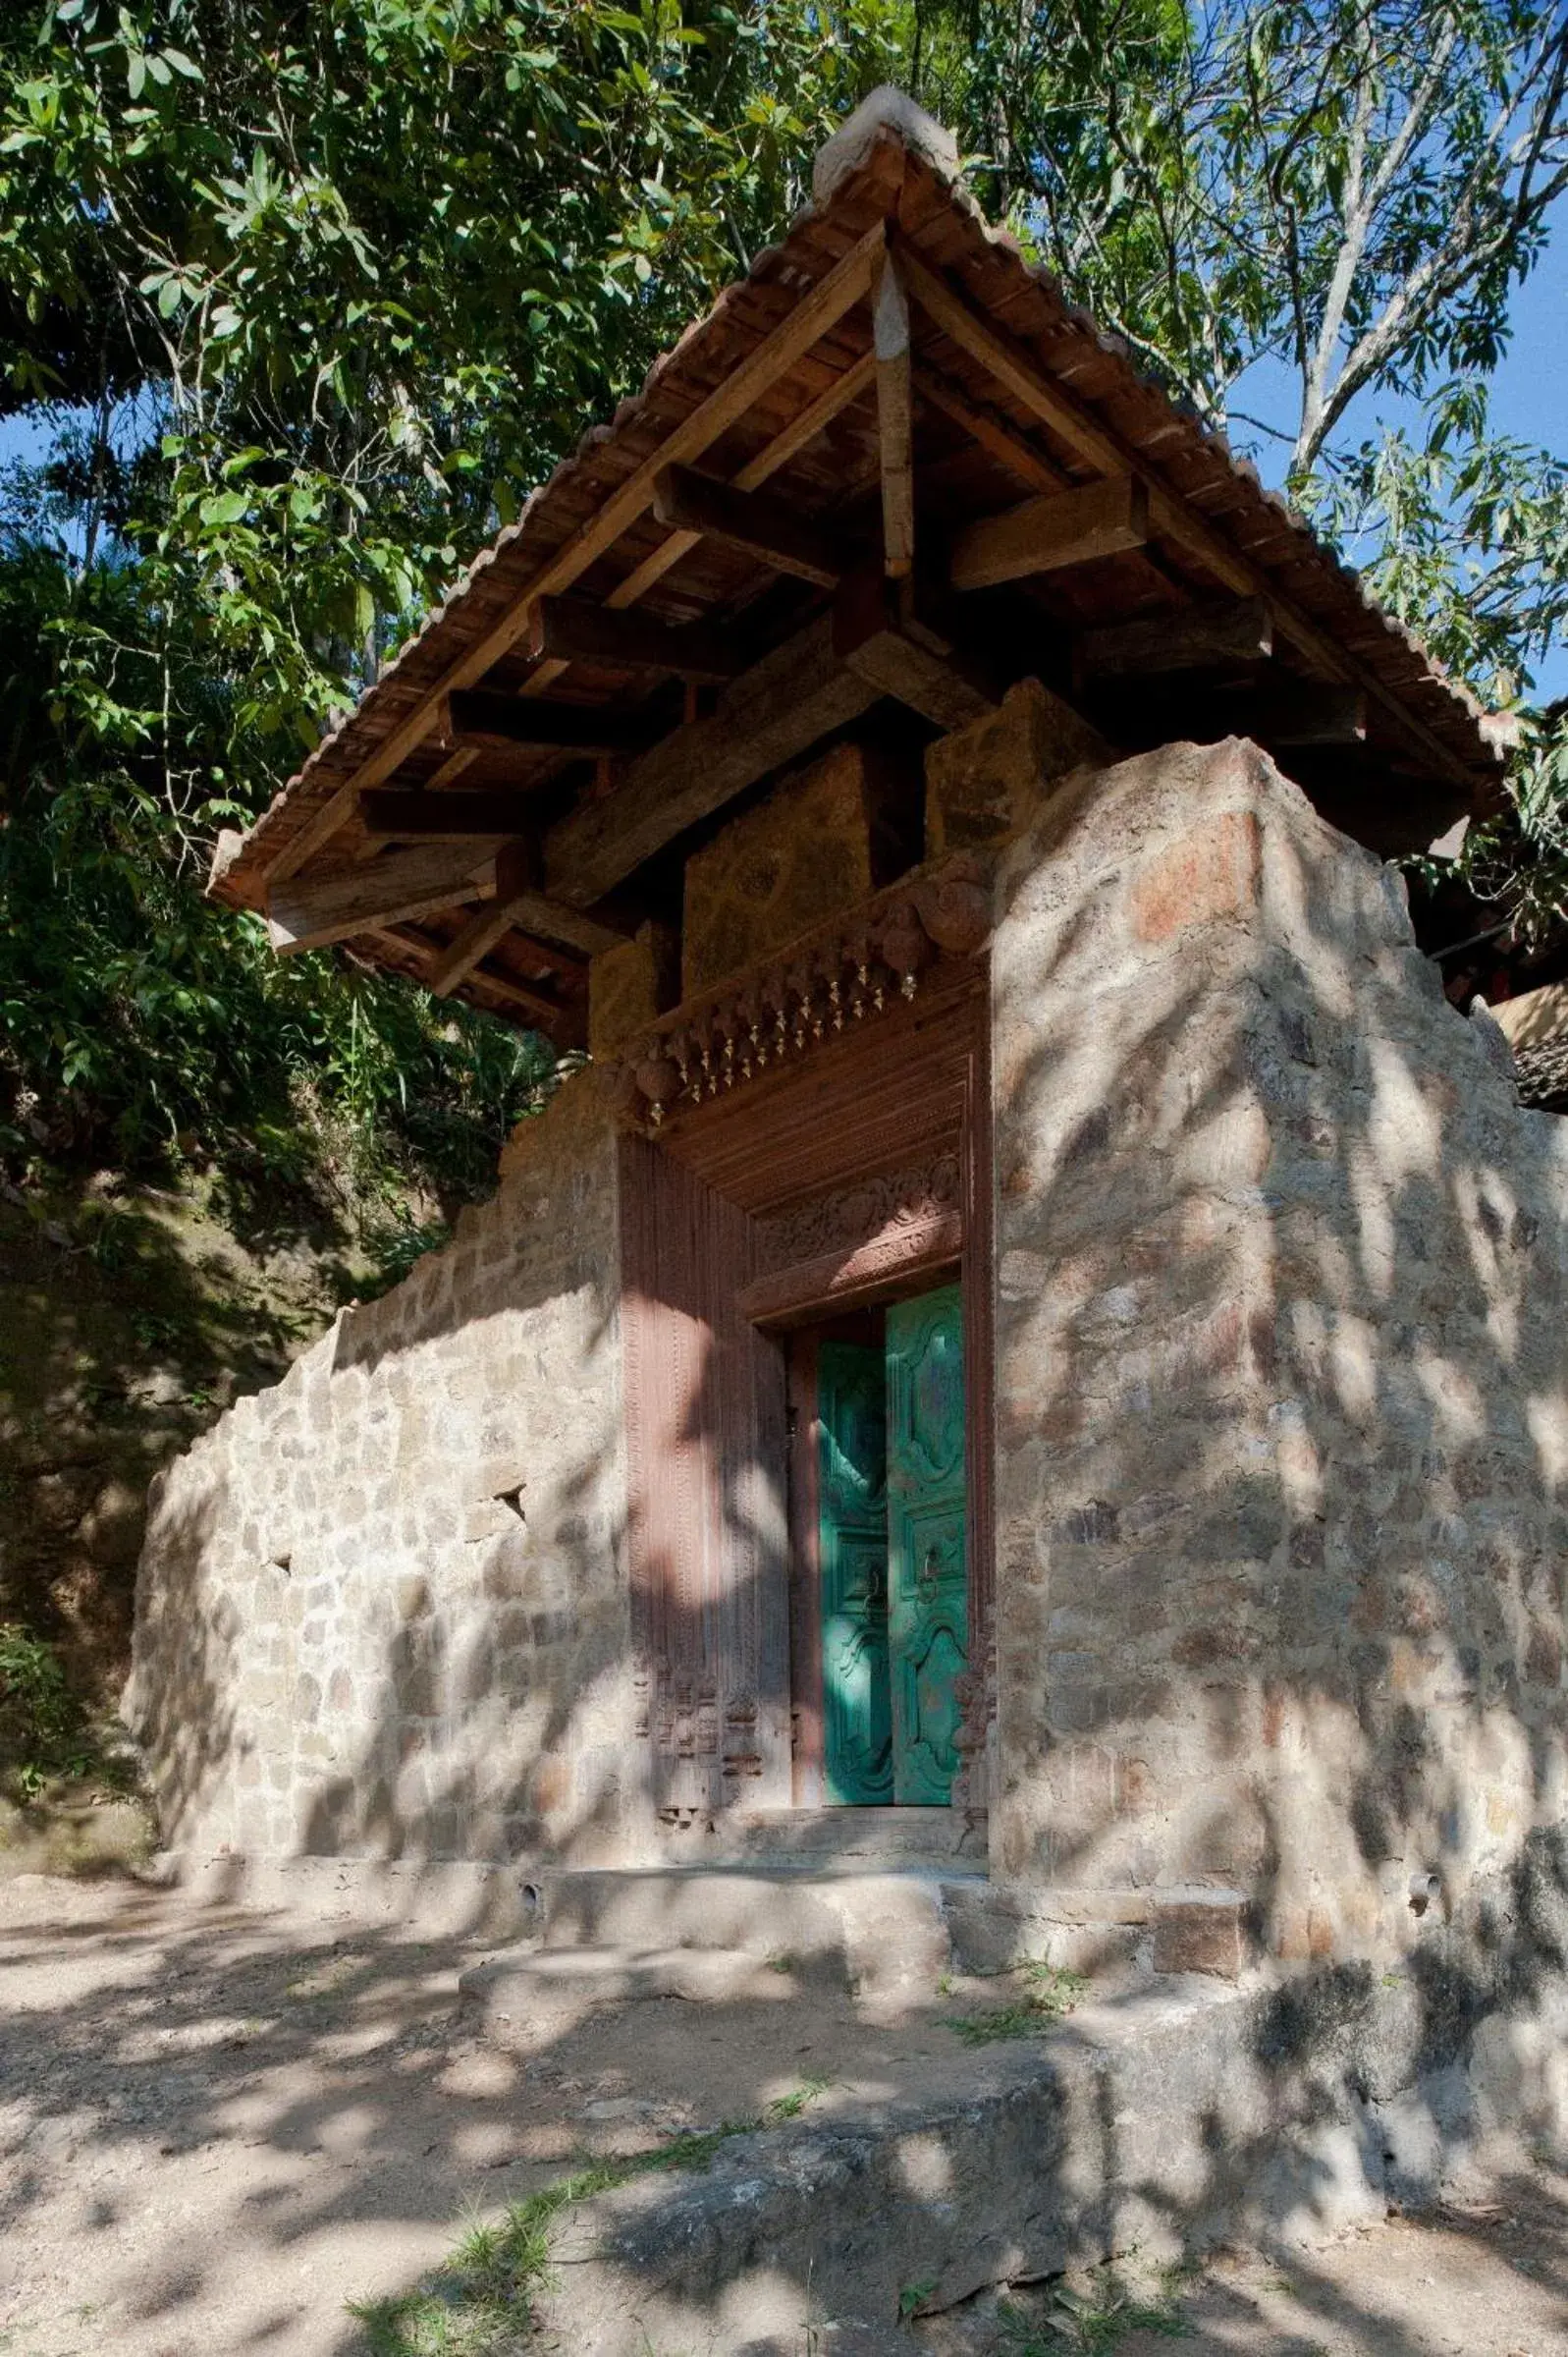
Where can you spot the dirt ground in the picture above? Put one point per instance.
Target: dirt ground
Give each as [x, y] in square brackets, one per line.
[217, 2127]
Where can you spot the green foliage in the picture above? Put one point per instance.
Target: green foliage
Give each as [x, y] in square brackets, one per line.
[41, 1728]
[1094, 2320]
[303, 301]
[298, 304]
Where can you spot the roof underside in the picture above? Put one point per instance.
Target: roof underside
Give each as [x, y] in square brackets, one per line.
[826, 477]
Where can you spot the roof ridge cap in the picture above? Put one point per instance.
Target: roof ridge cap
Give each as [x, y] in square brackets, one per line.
[886, 109]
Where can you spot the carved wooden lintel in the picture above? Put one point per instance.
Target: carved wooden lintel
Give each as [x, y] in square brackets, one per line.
[809, 994]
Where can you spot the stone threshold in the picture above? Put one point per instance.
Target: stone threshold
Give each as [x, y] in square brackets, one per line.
[821, 1838]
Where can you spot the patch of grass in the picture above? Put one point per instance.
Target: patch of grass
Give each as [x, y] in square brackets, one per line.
[482, 2302]
[1051, 1994]
[1094, 2320]
[789, 2106]
[914, 2296]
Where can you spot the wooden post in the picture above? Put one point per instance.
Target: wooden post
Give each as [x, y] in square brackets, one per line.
[889, 323]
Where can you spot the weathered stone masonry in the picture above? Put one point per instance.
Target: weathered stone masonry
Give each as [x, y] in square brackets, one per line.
[1282, 1427]
[1281, 1433]
[382, 1607]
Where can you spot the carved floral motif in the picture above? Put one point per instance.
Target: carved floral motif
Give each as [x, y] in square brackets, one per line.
[854, 1214]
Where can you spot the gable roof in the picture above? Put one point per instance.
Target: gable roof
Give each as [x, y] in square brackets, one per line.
[1016, 394]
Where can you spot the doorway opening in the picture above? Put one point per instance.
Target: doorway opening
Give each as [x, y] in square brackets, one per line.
[881, 1552]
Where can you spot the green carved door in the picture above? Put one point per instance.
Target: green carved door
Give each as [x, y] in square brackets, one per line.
[852, 1498]
[928, 1578]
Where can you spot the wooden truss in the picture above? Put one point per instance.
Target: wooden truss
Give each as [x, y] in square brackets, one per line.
[543, 768]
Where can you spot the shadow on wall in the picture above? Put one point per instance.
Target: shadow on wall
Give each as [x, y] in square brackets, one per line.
[385, 1610]
[1282, 1415]
[1281, 1439]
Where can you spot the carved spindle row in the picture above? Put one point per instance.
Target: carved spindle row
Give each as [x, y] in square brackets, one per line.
[788, 1009]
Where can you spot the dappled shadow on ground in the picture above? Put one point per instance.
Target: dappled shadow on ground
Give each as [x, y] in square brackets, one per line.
[220, 2126]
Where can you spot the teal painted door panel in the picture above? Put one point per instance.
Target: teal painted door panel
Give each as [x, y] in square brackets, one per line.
[928, 1587]
[852, 1539]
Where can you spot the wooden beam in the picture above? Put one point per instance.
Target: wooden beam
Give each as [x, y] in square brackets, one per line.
[826, 303]
[1208, 637]
[333, 813]
[778, 452]
[769, 529]
[998, 440]
[522, 995]
[890, 331]
[480, 717]
[775, 712]
[1046, 535]
[1169, 516]
[519, 902]
[914, 665]
[576, 631]
[392, 890]
[392, 816]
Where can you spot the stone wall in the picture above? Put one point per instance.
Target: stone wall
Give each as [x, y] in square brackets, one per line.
[1283, 1422]
[382, 1609]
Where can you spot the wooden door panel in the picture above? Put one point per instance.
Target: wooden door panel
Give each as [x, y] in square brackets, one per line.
[927, 1515]
[852, 1465]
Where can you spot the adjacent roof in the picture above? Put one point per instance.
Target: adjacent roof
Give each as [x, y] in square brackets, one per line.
[1016, 392]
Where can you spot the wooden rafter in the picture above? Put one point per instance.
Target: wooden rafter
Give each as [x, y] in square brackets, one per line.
[843, 286]
[984, 426]
[760, 527]
[392, 890]
[813, 419]
[879, 635]
[1169, 516]
[519, 901]
[575, 631]
[1217, 635]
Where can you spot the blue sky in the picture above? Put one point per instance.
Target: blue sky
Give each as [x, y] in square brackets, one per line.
[1529, 400]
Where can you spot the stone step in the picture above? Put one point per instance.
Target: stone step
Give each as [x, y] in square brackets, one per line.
[860, 1837]
[878, 1933]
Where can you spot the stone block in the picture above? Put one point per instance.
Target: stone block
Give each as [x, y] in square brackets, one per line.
[1201, 1935]
[776, 870]
[983, 783]
[630, 986]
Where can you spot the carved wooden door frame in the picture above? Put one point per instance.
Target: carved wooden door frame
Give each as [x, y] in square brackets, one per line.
[713, 1284]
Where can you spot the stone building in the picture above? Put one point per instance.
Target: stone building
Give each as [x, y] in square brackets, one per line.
[1036, 1338]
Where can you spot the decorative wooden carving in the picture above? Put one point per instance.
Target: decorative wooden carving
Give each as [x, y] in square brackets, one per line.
[848, 1246]
[846, 1161]
[843, 973]
[976, 1693]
